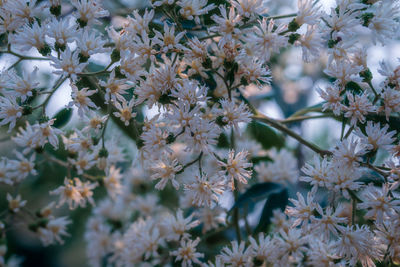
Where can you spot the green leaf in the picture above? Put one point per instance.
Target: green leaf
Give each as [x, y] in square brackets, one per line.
[276, 200]
[62, 117]
[256, 160]
[304, 111]
[393, 122]
[223, 141]
[354, 87]
[265, 135]
[254, 194]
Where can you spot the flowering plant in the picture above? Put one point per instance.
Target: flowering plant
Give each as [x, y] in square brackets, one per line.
[168, 147]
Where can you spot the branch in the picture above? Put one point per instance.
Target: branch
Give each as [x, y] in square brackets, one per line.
[279, 126]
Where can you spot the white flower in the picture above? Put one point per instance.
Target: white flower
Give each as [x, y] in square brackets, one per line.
[333, 98]
[85, 189]
[282, 170]
[267, 39]
[190, 92]
[25, 138]
[359, 107]
[233, 114]
[80, 98]
[31, 36]
[193, 9]
[203, 133]
[255, 72]
[291, 246]
[167, 40]
[383, 25]
[88, 12]
[165, 169]
[236, 167]
[308, 12]
[90, 44]
[147, 205]
[187, 252]
[376, 137]
[263, 249]
[388, 234]
[250, 8]
[311, 44]
[44, 133]
[144, 46]
[10, 111]
[344, 72]
[205, 190]
[93, 121]
[328, 222]
[112, 181]
[341, 22]
[23, 86]
[322, 253]
[68, 64]
[21, 167]
[115, 88]
[344, 178]
[318, 174]
[138, 23]
[379, 203]
[8, 22]
[358, 244]
[62, 31]
[178, 226]
[23, 9]
[303, 211]
[181, 115]
[4, 172]
[69, 193]
[84, 161]
[226, 25]
[55, 228]
[237, 255]
[391, 101]
[79, 142]
[15, 204]
[125, 112]
[210, 218]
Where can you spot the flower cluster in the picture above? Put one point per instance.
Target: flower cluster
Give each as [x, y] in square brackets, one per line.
[169, 146]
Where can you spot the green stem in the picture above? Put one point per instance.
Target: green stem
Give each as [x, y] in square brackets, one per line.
[209, 37]
[236, 216]
[283, 16]
[21, 57]
[57, 85]
[373, 90]
[279, 126]
[302, 118]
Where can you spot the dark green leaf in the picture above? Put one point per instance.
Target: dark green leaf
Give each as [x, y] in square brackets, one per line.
[62, 117]
[223, 141]
[254, 194]
[354, 88]
[265, 135]
[276, 200]
[394, 122]
[256, 160]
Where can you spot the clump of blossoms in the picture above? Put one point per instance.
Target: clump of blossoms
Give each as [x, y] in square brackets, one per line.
[170, 152]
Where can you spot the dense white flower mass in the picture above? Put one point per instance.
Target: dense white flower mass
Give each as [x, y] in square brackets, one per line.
[166, 146]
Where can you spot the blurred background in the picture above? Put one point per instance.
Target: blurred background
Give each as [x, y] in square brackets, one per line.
[293, 88]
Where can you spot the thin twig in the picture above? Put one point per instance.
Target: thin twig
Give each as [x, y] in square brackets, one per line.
[279, 126]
